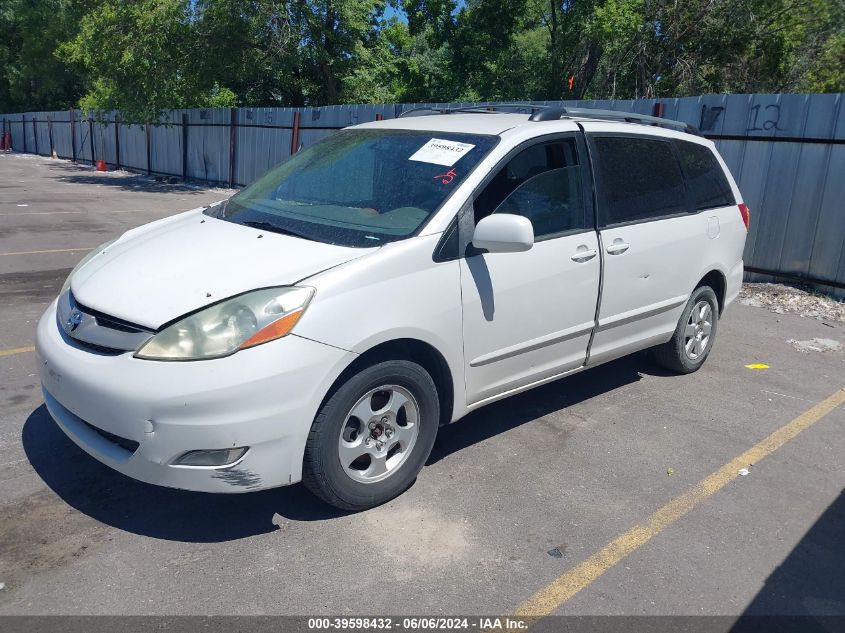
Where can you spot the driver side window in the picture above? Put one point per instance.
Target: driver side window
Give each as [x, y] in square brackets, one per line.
[541, 183]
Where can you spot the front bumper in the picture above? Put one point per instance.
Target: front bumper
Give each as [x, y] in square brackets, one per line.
[264, 397]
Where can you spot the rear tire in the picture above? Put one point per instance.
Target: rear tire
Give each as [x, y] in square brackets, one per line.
[694, 336]
[372, 436]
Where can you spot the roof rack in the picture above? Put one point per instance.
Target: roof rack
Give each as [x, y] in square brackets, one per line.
[540, 112]
[493, 108]
[554, 113]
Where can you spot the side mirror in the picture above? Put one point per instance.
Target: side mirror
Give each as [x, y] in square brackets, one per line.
[503, 233]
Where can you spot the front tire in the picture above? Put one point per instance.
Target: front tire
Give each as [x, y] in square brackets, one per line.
[694, 336]
[372, 436]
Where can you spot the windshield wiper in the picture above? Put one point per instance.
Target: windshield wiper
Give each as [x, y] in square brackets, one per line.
[268, 226]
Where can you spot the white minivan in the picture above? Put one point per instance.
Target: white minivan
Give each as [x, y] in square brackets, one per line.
[321, 324]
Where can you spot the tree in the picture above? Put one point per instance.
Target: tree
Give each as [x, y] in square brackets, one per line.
[31, 77]
[145, 56]
[142, 57]
[333, 36]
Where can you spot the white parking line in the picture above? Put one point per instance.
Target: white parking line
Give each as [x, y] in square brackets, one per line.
[55, 250]
[783, 395]
[24, 214]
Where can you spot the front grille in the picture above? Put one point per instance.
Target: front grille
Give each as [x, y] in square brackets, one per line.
[106, 320]
[122, 442]
[93, 331]
[97, 349]
[114, 324]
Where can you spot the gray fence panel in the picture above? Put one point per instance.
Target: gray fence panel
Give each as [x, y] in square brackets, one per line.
[99, 140]
[35, 124]
[260, 146]
[29, 131]
[752, 181]
[133, 147]
[728, 117]
[828, 249]
[808, 185]
[208, 146]
[105, 147]
[307, 137]
[83, 137]
[278, 141]
[42, 134]
[779, 169]
[61, 134]
[166, 144]
[775, 145]
[13, 124]
[22, 138]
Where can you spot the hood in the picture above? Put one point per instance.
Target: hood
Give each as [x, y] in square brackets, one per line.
[164, 270]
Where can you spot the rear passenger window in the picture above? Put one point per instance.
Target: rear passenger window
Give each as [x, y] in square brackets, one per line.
[706, 181]
[640, 179]
[541, 183]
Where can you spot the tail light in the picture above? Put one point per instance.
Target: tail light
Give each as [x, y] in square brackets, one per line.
[746, 214]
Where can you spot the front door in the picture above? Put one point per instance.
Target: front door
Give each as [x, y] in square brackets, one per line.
[528, 316]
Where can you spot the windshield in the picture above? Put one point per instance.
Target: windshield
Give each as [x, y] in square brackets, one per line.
[359, 187]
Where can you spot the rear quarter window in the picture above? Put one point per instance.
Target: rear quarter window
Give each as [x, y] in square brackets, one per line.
[706, 181]
[639, 179]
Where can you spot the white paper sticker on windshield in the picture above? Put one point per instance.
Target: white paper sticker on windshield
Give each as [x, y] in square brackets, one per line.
[441, 152]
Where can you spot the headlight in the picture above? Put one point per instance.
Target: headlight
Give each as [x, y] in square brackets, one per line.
[84, 261]
[226, 327]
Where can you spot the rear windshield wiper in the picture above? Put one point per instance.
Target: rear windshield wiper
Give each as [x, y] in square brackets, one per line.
[268, 226]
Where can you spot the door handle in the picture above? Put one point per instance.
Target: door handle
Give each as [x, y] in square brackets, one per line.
[583, 256]
[618, 247]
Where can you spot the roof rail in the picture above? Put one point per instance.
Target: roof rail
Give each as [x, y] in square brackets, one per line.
[540, 112]
[555, 113]
[493, 108]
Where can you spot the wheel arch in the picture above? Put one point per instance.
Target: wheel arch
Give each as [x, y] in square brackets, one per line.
[425, 354]
[718, 282]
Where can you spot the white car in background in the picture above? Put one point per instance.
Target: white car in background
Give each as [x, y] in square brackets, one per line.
[325, 321]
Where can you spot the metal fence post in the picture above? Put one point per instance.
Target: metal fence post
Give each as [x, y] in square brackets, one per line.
[233, 142]
[294, 137]
[149, 149]
[659, 109]
[35, 134]
[184, 146]
[117, 140]
[91, 138]
[23, 132]
[50, 135]
[72, 136]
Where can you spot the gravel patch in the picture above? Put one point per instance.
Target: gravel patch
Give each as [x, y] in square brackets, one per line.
[816, 345]
[783, 299]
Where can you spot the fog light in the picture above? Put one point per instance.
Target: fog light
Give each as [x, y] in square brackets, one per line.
[220, 457]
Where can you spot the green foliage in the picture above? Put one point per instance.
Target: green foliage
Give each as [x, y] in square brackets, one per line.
[31, 77]
[141, 52]
[145, 56]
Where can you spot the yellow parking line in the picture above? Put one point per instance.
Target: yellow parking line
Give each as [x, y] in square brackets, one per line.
[565, 586]
[16, 350]
[55, 250]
